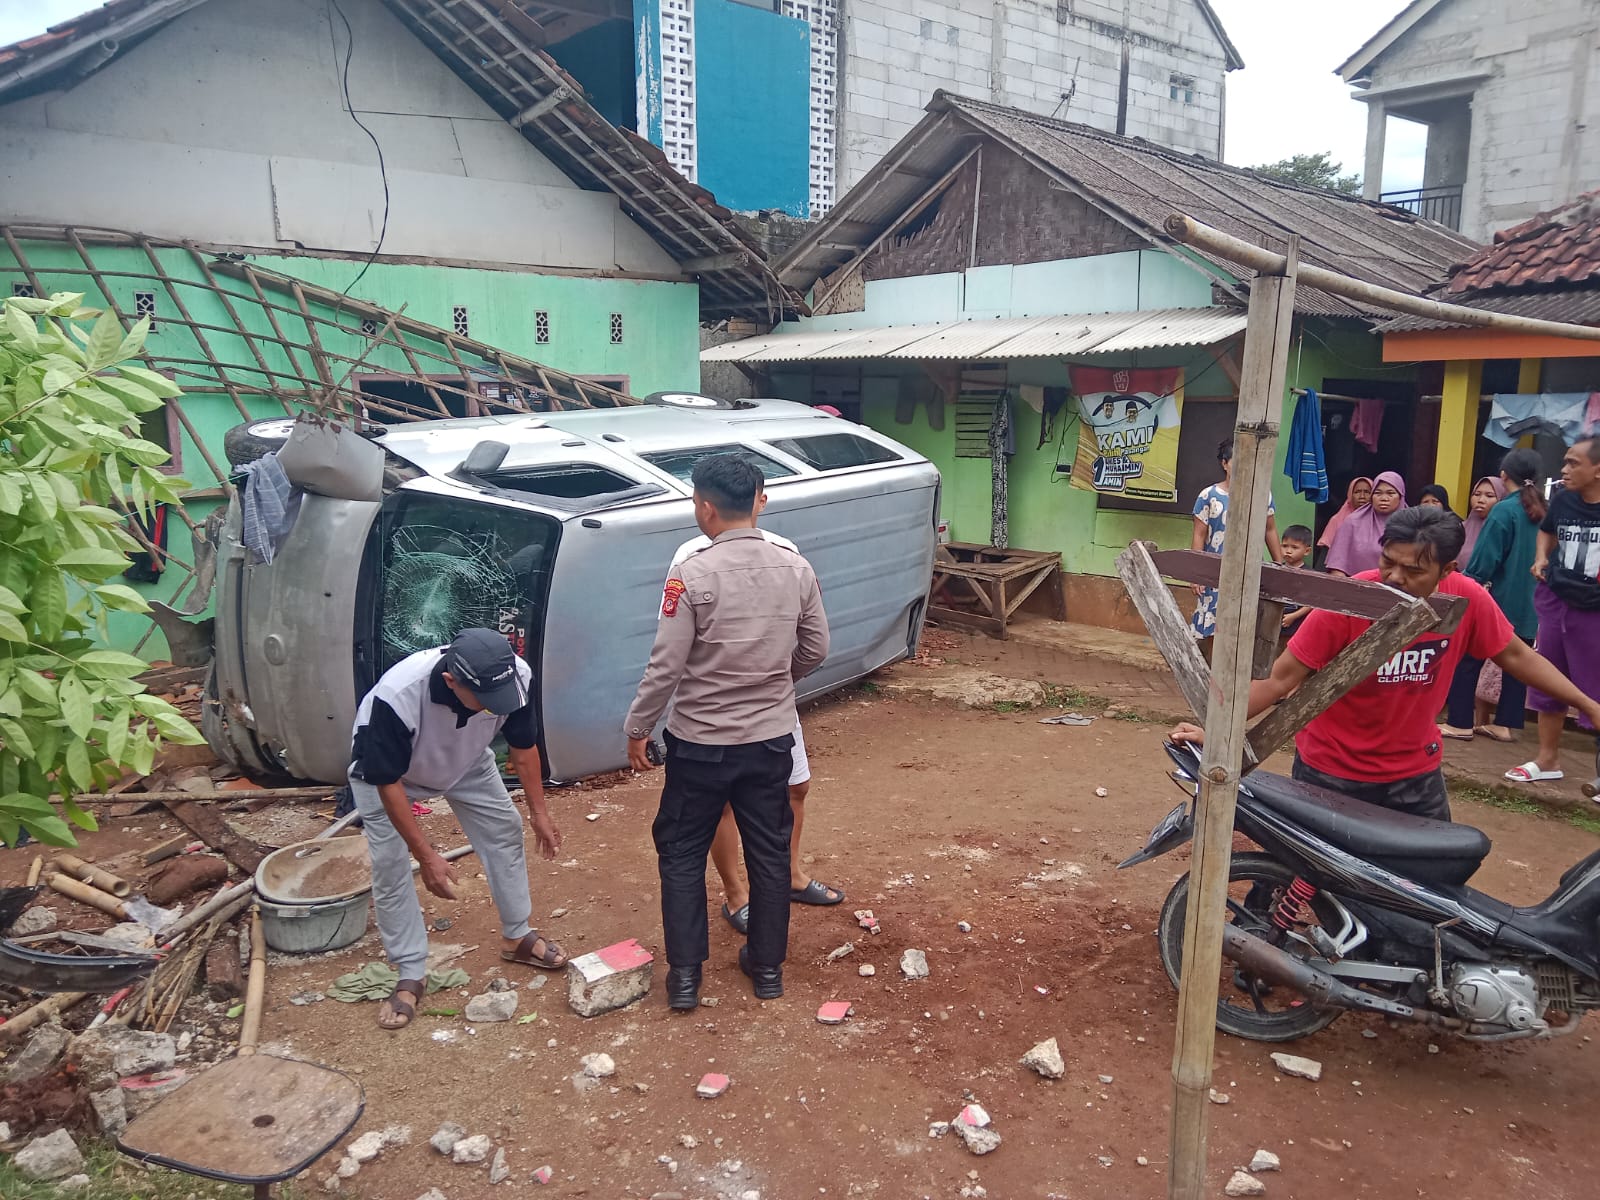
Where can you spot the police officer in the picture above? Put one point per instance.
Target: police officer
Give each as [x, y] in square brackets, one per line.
[740, 622]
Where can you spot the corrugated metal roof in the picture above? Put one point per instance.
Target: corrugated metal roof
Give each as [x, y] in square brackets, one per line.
[495, 51]
[1141, 184]
[1014, 337]
[1577, 306]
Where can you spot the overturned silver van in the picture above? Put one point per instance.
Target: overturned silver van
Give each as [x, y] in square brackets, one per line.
[556, 529]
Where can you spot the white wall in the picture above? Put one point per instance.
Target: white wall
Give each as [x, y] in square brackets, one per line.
[1535, 139]
[229, 126]
[897, 52]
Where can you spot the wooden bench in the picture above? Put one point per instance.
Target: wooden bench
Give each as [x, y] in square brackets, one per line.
[981, 587]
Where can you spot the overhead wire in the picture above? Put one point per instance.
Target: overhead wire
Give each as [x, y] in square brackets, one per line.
[383, 169]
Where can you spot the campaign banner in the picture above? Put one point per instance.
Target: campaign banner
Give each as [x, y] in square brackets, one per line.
[1128, 431]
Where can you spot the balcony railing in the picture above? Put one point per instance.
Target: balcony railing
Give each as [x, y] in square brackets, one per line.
[1441, 204]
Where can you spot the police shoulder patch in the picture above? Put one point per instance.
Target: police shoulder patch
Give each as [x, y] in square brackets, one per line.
[669, 597]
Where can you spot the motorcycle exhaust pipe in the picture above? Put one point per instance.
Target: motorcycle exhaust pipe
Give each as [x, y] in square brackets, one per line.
[1267, 962]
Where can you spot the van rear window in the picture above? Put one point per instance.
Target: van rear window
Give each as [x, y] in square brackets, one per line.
[680, 464]
[835, 451]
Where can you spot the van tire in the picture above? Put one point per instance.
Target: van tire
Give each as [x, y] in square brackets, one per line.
[695, 402]
[255, 439]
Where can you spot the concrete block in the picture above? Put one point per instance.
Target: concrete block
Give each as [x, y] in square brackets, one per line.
[44, 1048]
[54, 1156]
[609, 979]
[711, 1086]
[110, 1113]
[143, 1092]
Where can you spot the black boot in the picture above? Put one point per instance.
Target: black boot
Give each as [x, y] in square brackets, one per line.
[768, 980]
[683, 987]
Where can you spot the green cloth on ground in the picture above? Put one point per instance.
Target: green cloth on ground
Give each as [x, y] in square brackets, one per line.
[376, 981]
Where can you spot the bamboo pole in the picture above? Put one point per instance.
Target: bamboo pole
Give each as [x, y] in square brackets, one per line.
[94, 876]
[1267, 263]
[39, 1013]
[1262, 382]
[84, 894]
[256, 988]
[34, 868]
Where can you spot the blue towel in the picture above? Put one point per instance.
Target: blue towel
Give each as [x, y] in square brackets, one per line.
[1305, 465]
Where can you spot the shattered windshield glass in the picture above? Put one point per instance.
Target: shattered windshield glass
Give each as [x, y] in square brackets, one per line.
[449, 565]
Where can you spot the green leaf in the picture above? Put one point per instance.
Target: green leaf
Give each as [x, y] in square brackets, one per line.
[50, 830]
[76, 709]
[17, 739]
[43, 495]
[48, 600]
[11, 629]
[146, 454]
[21, 327]
[11, 499]
[134, 342]
[138, 399]
[117, 737]
[77, 766]
[154, 381]
[10, 602]
[36, 686]
[103, 342]
[175, 729]
[10, 703]
[81, 817]
[112, 662]
[122, 598]
[102, 561]
[113, 468]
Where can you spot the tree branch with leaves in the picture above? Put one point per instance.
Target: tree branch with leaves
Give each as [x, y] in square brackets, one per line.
[73, 717]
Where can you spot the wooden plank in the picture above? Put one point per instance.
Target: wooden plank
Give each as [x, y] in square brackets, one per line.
[1263, 378]
[1404, 624]
[962, 619]
[208, 825]
[1015, 602]
[1269, 632]
[1168, 627]
[1352, 597]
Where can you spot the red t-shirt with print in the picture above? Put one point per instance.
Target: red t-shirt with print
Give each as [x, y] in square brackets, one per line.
[1386, 728]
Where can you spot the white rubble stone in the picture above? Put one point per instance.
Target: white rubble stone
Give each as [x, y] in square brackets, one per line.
[1045, 1059]
[474, 1149]
[433, 1194]
[1300, 1068]
[113, 1052]
[447, 1136]
[53, 1156]
[598, 1066]
[498, 1171]
[1217, 1097]
[978, 1140]
[368, 1146]
[1243, 1184]
[914, 964]
[866, 970]
[43, 1049]
[74, 1183]
[490, 1007]
[1265, 1160]
[38, 919]
[347, 1168]
[609, 979]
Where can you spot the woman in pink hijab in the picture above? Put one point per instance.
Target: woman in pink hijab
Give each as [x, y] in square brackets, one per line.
[1486, 493]
[1359, 542]
[1356, 497]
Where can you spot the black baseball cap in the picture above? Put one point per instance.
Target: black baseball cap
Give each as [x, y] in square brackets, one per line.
[484, 663]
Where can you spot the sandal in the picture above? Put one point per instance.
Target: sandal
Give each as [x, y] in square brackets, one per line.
[1451, 731]
[818, 893]
[1489, 731]
[1529, 772]
[553, 957]
[402, 1009]
[739, 918]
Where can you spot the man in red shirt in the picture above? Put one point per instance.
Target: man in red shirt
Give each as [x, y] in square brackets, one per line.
[1379, 741]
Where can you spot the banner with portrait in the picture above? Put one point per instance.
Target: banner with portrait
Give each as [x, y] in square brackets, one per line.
[1128, 431]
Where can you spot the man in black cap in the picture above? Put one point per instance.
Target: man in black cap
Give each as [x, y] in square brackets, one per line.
[425, 730]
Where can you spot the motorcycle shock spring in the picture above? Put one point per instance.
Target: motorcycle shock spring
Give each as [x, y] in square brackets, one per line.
[1294, 905]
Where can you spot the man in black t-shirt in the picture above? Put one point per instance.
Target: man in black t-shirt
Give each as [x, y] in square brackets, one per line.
[1567, 600]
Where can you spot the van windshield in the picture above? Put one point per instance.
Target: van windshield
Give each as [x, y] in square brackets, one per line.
[444, 564]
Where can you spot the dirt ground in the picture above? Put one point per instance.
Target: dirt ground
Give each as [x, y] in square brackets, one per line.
[929, 815]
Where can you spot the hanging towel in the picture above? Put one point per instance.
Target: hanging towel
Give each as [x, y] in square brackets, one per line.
[269, 506]
[1367, 423]
[1591, 416]
[1304, 464]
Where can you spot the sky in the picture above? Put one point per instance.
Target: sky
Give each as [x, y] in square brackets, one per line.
[1285, 101]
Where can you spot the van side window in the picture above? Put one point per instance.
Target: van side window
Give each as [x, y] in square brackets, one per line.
[680, 464]
[574, 481]
[835, 451]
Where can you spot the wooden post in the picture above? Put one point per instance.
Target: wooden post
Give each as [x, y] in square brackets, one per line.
[1262, 382]
[1458, 429]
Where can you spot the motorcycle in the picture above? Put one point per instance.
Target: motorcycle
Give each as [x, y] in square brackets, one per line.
[1353, 907]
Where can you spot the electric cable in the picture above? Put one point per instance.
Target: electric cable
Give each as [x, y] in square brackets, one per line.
[383, 169]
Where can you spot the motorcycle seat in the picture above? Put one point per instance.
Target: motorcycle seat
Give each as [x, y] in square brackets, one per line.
[1436, 852]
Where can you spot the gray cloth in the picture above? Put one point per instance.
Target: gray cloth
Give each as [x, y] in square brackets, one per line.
[269, 505]
[1512, 415]
[484, 810]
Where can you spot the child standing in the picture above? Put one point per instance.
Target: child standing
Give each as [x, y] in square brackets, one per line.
[1298, 543]
[1210, 527]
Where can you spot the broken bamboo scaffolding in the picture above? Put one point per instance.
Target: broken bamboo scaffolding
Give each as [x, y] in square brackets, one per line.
[1223, 702]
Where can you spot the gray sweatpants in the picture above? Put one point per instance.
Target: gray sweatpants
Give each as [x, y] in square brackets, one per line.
[494, 827]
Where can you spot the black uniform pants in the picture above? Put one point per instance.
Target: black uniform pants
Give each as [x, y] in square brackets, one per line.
[701, 780]
[1421, 795]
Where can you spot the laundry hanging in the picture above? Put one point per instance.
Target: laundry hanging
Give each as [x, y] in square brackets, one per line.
[1367, 423]
[1304, 464]
[1002, 445]
[1570, 415]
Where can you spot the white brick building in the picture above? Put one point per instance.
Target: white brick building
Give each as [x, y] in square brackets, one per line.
[1511, 98]
[1156, 69]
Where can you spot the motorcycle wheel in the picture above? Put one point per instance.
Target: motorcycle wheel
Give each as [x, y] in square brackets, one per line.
[1269, 1013]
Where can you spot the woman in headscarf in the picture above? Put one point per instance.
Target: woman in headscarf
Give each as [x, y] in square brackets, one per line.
[1356, 497]
[1359, 542]
[1434, 495]
[1501, 560]
[1486, 493]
